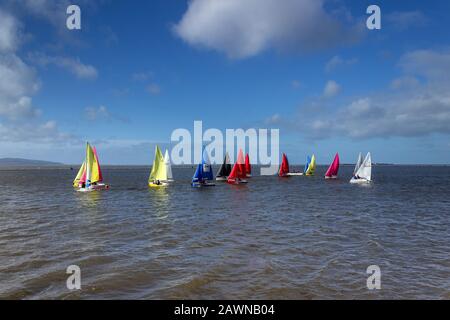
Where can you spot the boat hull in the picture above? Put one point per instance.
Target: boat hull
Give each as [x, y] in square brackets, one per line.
[331, 177]
[202, 185]
[359, 181]
[221, 178]
[97, 187]
[239, 181]
[154, 185]
[293, 174]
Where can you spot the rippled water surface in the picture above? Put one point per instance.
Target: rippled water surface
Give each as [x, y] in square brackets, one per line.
[296, 238]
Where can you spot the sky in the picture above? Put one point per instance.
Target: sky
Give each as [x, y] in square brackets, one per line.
[136, 71]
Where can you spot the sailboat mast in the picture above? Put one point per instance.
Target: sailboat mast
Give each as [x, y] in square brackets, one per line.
[88, 167]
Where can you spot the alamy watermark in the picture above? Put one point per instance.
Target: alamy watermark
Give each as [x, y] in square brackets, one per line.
[374, 280]
[262, 145]
[73, 282]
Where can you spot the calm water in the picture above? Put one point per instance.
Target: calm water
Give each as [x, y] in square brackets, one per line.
[297, 238]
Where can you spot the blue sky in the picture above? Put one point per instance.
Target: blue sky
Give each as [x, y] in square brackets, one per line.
[135, 72]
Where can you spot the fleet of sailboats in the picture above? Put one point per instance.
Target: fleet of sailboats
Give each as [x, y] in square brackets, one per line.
[89, 177]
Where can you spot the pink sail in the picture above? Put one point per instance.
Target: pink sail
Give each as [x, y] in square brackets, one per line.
[334, 167]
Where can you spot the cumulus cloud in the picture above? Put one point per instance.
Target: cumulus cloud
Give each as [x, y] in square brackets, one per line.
[404, 82]
[242, 29]
[102, 113]
[433, 65]
[72, 65]
[414, 109]
[331, 89]
[405, 19]
[9, 32]
[154, 89]
[141, 76]
[19, 119]
[296, 84]
[337, 61]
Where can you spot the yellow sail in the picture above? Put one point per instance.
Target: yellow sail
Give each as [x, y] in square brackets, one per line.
[79, 175]
[159, 171]
[312, 167]
[92, 172]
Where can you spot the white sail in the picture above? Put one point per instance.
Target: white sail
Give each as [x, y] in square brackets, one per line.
[365, 170]
[358, 164]
[168, 165]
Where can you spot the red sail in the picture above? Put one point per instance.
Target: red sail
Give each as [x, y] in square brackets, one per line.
[242, 172]
[284, 168]
[248, 167]
[100, 179]
[233, 174]
[334, 167]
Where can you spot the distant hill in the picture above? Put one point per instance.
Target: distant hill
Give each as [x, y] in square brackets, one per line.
[17, 162]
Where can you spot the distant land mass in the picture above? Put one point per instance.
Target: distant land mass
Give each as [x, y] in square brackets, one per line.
[17, 162]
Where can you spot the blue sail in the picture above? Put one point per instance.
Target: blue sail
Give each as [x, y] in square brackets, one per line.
[198, 175]
[207, 171]
[308, 161]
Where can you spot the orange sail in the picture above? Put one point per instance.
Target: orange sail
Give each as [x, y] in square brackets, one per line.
[284, 168]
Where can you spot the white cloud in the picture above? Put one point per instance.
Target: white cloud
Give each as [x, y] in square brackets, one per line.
[94, 114]
[9, 32]
[331, 89]
[19, 119]
[337, 61]
[154, 89]
[404, 82]
[141, 76]
[102, 113]
[73, 65]
[404, 20]
[431, 64]
[296, 84]
[415, 108]
[245, 28]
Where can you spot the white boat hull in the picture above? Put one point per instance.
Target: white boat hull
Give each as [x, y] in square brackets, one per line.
[332, 177]
[221, 178]
[97, 187]
[359, 181]
[292, 174]
[201, 185]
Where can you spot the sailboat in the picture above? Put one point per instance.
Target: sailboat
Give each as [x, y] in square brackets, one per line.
[238, 173]
[158, 176]
[168, 166]
[284, 167]
[225, 169]
[203, 174]
[358, 164]
[364, 172]
[333, 169]
[89, 177]
[310, 166]
[248, 166]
